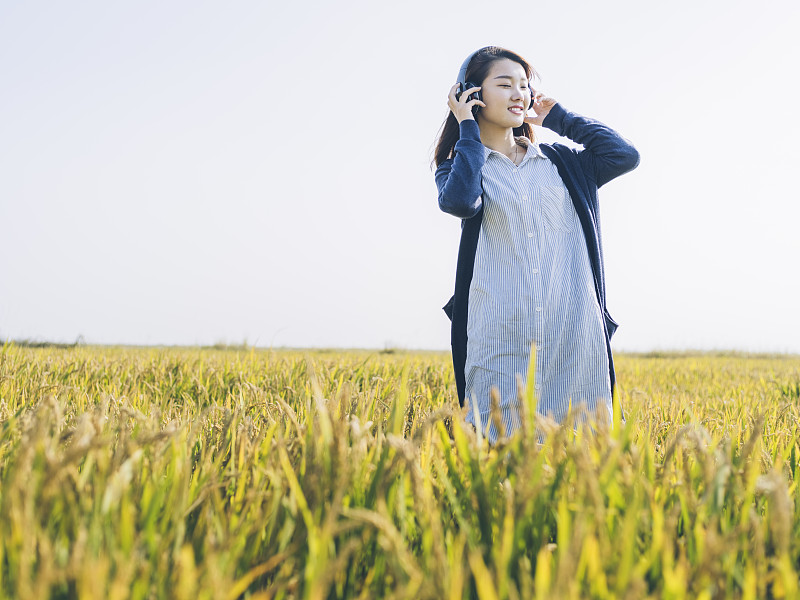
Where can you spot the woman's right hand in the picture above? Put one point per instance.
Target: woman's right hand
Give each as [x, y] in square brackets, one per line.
[461, 109]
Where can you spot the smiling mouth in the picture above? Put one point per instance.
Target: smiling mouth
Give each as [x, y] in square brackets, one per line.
[516, 110]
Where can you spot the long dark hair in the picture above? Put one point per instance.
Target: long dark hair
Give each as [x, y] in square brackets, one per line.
[478, 70]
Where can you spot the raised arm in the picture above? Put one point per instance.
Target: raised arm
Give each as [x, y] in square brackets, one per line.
[459, 179]
[606, 153]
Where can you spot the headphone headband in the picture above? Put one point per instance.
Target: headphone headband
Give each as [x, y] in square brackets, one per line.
[462, 73]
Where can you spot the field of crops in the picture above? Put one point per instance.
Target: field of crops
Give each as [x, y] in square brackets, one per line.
[189, 473]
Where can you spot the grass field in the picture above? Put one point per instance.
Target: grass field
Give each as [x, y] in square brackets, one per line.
[183, 473]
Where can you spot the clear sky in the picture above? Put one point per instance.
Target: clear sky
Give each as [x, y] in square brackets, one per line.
[201, 172]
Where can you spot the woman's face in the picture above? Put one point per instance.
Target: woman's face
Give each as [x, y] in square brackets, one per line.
[505, 91]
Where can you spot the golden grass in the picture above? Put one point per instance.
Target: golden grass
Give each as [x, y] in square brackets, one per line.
[157, 473]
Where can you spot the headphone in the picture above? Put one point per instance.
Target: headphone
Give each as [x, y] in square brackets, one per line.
[465, 85]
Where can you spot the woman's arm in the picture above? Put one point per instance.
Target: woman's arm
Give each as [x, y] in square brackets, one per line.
[459, 179]
[606, 154]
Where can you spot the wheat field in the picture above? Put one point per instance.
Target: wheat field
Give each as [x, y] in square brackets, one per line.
[245, 473]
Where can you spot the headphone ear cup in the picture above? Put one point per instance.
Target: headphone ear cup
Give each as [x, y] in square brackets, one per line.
[472, 96]
[531, 104]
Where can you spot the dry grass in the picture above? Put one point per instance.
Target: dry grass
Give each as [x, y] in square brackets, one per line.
[140, 473]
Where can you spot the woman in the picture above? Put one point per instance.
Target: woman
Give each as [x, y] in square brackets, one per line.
[530, 264]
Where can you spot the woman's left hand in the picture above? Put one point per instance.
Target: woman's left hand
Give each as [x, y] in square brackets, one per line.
[541, 106]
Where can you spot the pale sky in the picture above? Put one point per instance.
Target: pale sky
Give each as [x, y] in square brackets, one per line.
[202, 172]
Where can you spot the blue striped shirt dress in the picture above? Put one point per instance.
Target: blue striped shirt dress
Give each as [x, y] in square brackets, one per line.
[532, 285]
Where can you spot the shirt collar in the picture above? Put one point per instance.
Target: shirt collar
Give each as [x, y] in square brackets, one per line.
[533, 150]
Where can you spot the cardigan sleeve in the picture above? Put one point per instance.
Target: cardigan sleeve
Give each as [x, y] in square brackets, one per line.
[606, 154]
[458, 179]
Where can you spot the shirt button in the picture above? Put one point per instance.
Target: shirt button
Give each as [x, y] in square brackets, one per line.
[535, 271]
[524, 196]
[538, 309]
[530, 235]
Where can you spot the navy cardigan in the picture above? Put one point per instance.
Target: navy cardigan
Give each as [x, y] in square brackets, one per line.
[606, 155]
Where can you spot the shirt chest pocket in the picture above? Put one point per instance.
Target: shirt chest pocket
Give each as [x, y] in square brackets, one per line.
[557, 212]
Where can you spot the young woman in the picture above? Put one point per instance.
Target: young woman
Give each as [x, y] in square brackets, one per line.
[530, 262]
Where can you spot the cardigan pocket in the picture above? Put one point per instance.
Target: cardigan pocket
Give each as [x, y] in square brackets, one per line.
[448, 308]
[611, 324]
[558, 214]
